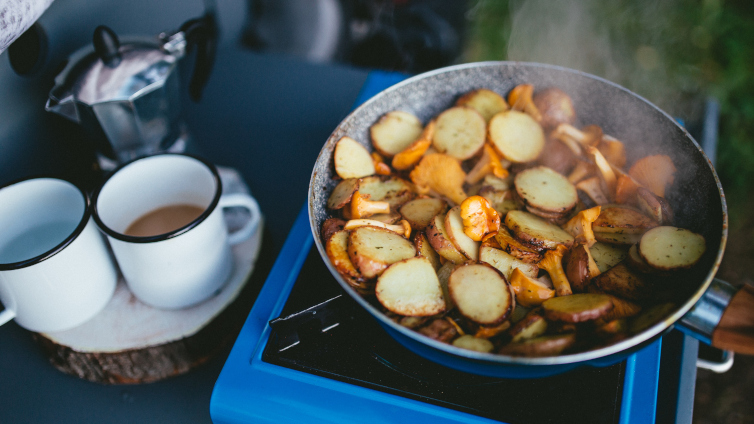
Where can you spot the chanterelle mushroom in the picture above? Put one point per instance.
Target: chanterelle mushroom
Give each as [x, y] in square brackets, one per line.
[580, 226]
[442, 174]
[553, 264]
[362, 207]
[521, 98]
[529, 292]
[479, 218]
[488, 164]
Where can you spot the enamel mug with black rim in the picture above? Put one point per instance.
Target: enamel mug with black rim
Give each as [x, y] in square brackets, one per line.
[183, 266]
[55, 270]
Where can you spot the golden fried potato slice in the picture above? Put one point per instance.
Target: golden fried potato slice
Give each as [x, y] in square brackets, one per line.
[669, 248]
[387, 218]
[425, 249]
[532, 325]
[546, 190]
[622, 220]
[486, 102]
[439, 240]
[337, 250]
[473, 343]
[342, 193]
[516, 135]
[459, 132]
[410, 287]
[540, 346]
[517, 249]
[373, 249]
[655, 206]
[622, 282]
[650, 317]
[505, 263]
[606, 255]
[636, 262]
[352, 160]
[462, 242]
[391, 189]
[578, 307]
[536, 231]
[481, 294]
[617, 238]
[420, 212]
[443, 274]
[394, 132]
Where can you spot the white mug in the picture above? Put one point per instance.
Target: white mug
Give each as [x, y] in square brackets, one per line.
[55, 270]
[183, 266]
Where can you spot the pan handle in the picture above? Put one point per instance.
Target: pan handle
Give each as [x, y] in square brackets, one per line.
[723, 318]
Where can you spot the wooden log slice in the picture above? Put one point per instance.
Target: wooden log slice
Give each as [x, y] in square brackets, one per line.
[129, 342]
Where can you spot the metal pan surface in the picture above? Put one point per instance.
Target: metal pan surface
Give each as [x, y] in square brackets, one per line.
[696, 197]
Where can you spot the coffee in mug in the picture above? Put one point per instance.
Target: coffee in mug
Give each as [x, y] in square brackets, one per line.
[163, 217]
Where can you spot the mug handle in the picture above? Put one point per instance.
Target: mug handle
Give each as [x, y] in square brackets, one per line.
[245, 201]
[7, 315]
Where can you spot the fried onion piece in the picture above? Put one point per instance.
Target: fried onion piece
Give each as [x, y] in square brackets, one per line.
[655, 172]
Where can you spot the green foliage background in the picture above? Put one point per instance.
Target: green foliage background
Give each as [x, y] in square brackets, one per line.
[675, 53]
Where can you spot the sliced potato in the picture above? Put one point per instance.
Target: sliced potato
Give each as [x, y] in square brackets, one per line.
[656, 207]
[486, 102]
[440, 329]
[387, 218]
[622, 309]
[443, 274]
[330, 227]
[622, 220]
[517, 136]
[373, 249]
[546, 190]
[540, 346]
[518, 249]
[473, 343]
[425, 250]
[536, 231]
[505, 263]
[636, 261]
[617, 238]
[438, 238]
[555, 106]
[394, 132]
[578, 307]
[462, 242]
[352, 160]
[337, 250]
[606, 255]
[342, 193]
[481, 294]
[420, 212]
[580, 267]
[651, 316]
[389, 189]
[532, 325]
[622, 282]
[669, 248]
[459, 132]
[410, 287]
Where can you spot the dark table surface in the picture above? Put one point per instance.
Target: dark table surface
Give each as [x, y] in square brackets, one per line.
[265, 116]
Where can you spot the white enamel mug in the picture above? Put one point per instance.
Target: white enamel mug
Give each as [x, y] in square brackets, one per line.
[185, 266]
[55, 270]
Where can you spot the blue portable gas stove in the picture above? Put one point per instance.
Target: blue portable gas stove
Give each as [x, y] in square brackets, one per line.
[338, 365]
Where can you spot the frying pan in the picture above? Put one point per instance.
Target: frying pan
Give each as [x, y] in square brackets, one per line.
[696, 197]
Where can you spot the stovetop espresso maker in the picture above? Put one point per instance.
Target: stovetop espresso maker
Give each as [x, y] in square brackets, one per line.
[126, 92]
